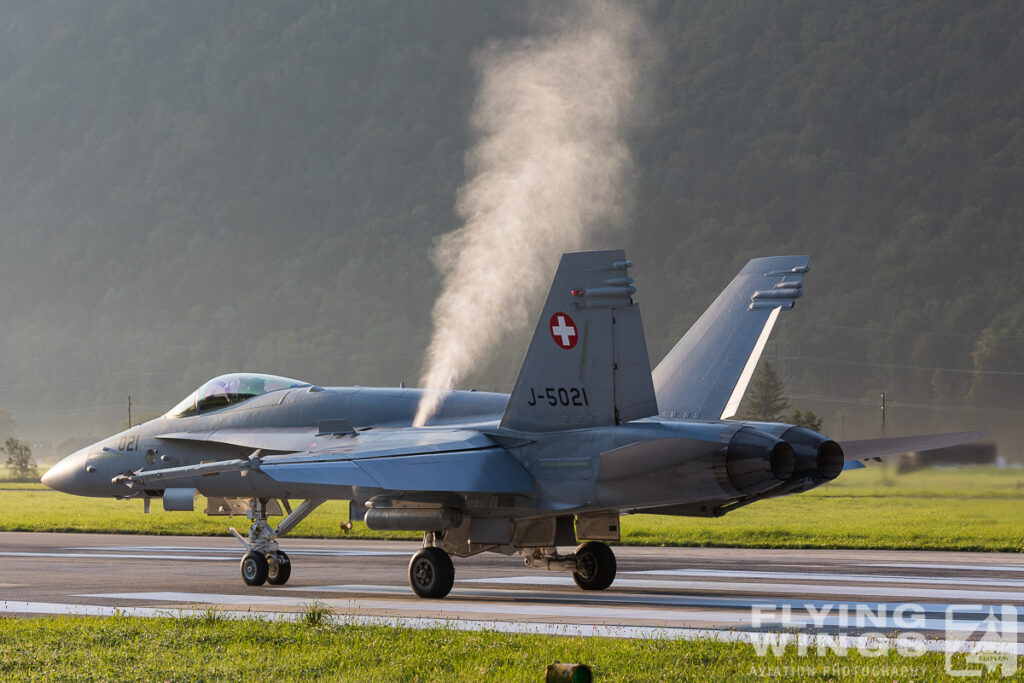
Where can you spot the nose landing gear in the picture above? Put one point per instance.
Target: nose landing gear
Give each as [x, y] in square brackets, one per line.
[264, 562]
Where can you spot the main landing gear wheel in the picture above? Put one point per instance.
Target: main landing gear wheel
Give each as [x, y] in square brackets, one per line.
[255, 569]
[279, 568]
[595, 563]
[431, 573]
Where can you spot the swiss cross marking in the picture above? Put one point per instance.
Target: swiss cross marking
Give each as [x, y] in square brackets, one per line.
[563, 330]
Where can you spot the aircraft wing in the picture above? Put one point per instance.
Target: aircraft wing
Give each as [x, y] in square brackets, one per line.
[399, 460]
[705, 375]
[873, 450]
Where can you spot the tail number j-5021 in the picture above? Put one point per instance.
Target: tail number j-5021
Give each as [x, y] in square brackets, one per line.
[559, 396]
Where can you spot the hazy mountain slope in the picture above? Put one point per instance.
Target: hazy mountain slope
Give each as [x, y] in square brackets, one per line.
[193, 188]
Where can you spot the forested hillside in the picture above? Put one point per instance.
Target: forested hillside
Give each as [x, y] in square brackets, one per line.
[193, 188]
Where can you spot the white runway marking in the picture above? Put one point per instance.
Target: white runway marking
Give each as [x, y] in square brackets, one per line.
[118, 556]
[969, 567]
[598, 614]
[824, 576]
[928, 608]
[781, 588]
[239, 551]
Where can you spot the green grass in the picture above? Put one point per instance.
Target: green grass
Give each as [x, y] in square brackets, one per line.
[21, 486]
[953, 509]
[8, 482]
[209, 647]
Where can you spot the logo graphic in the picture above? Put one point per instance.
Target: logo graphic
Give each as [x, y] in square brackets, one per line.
[981, 638]
[563, 330]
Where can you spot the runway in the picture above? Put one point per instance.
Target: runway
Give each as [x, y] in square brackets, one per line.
[729, 594]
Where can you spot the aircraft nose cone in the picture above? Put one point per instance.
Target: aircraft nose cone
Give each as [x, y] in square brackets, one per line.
[67, 476]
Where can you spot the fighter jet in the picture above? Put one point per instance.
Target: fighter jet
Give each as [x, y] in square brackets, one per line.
[587, 435]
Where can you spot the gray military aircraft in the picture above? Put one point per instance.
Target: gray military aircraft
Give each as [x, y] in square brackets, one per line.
[589, 433]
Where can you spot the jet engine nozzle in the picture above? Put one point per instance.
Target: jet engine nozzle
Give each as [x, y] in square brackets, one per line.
[755, 461]
[816, 454]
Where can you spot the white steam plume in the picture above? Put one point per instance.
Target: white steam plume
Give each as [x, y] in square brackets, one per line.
[547, 172]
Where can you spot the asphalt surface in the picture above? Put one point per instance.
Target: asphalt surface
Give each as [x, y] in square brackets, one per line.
[658, 592]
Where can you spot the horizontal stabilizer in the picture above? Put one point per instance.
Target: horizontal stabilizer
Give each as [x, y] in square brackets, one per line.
[867, 450]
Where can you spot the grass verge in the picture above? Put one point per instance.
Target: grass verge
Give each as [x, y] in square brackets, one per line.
[210, 647]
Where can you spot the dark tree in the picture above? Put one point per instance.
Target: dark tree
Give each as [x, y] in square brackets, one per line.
[767, 397]
[805, 419]
[19, 459]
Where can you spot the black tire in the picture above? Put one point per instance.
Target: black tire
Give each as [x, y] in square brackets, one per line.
[279, 568]
[254, 568]
[597, 566]
[431, 573]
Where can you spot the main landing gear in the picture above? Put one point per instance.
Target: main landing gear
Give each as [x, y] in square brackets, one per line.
[265, 562]
[431, 573]
[595, 566]
[592, 565]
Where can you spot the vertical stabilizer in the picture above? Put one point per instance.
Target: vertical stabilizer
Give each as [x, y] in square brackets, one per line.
[707, 373]
[587, 363]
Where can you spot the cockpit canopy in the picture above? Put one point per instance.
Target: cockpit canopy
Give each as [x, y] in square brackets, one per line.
[228, 390]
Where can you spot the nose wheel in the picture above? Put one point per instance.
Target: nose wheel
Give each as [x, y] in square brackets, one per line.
[280, 568]
[255, 569]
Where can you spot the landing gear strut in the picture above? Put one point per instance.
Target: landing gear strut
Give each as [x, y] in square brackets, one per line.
[265, 562]
[592, 565]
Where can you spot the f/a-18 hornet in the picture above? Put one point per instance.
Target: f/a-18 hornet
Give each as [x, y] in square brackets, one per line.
[588, 434]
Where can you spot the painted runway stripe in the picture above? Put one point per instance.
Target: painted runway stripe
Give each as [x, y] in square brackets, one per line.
[825, 576]
[118, 556]
[449, 606]
[454, 608]
[927, 608]
[572, 630]
[968, 567]
[778, 588]
[238, 550]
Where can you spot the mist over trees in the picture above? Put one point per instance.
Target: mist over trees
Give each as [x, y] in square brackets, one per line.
[19, 461]
[193, 188]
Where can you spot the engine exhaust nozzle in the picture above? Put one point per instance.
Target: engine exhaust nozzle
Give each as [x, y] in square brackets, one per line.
[817, 456]
[755, 461]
